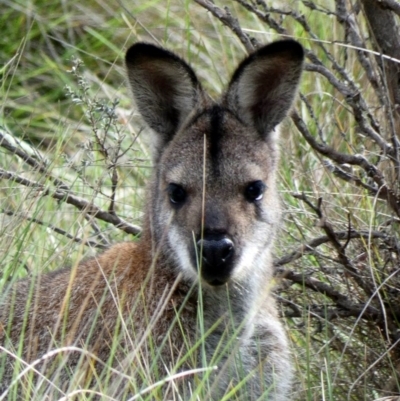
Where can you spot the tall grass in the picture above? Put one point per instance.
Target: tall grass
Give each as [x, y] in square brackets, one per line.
[65, 113]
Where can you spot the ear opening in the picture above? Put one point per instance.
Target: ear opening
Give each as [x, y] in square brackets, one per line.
[263, 87]
[164, 88]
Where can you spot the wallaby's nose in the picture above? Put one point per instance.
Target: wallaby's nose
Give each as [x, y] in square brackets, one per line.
[216, 258]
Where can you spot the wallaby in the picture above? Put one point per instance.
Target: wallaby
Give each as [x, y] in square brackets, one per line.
[195, 290]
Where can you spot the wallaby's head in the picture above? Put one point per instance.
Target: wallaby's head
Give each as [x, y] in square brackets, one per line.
[214, 205]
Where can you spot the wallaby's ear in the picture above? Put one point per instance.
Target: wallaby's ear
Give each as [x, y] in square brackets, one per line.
[264, 85]
[164, 87]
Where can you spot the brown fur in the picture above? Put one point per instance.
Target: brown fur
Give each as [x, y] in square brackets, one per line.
[157, 305]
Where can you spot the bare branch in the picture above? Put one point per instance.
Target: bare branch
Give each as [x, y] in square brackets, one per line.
[385, 31]
[114, 185]
[335, 241]
[326, 314]
[367, 311]
[309, 247]
[40, 166]
[328, 151]
[386, 192]
[91, 244]
[81, 204]
[227, 19]
[393, 5]
[347, 19]
[264, 16]
[349, 177]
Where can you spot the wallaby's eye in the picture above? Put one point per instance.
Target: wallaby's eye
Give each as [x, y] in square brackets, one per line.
[177, 195]
[254, 191]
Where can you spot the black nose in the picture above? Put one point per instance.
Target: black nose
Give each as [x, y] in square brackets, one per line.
[216, 252]
[216, 258]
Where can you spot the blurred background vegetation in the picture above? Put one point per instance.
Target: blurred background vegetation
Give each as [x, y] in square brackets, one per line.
[70, 139]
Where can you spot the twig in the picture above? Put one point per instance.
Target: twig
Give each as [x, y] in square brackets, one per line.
[226, 18]
[347, 176]
[110, 160]
[393, 5]
[264, 16]
[347, 19]
[114, 185]
[371, 170]
[354, 309]
[348, 88]
[42, 167]
[79, 203]
[326, 150]
[334, 240]
[56, 229]
[309, 247]
[322, 312]
[383, 28]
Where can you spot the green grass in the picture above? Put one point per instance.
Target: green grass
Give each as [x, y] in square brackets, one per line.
[52, 108]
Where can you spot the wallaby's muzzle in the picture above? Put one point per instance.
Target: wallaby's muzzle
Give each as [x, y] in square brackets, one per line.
[216, 253]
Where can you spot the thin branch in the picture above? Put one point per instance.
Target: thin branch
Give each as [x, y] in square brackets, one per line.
[227, 19]
[325, 150]
[355, 309]
[335, 241]
[42, 167]
[393, 5]
[322, 312]
[384, 31]
[264, 16]
[79, 203]
[56, 229]
[347, 176]
[348, 88]
[310, 247]
[347, 19]
[114, 185]
[371, 170]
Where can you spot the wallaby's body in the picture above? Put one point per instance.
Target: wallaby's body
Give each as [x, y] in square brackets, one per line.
[195, 289]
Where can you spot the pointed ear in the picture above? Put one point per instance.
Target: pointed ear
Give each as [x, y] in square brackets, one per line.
[164, 88]
[264, 85]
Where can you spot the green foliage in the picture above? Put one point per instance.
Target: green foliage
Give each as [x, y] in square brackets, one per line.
[65, 103]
